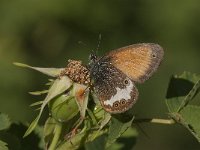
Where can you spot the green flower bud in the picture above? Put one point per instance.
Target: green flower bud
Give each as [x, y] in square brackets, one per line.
[63, 108]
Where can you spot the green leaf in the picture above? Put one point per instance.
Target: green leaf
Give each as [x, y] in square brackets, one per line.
[190, 118]
[3, 145]
[53, 72]
[97, 144]
[73, 143]
[58, 87]
[117, 127]
[77, 141]
[13, 142]
[181, 90]
[4, 121]
[13, 137]
[126, 141]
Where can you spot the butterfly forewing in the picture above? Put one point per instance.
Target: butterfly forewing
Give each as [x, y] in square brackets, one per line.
[138, 61]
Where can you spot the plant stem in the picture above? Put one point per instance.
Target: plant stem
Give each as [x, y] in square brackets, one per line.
[57, 132]
[155, 120]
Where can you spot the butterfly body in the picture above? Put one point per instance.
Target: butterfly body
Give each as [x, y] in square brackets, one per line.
[115, 74]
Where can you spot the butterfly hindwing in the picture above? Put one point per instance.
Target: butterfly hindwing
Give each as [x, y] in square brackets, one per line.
[116, 91]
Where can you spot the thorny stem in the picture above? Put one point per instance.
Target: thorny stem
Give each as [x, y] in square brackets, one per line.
[57, 132]
[155, 120]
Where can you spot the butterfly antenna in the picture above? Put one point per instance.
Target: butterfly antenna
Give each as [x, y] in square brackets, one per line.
[98, 45]
[82, 43]
[92, 54]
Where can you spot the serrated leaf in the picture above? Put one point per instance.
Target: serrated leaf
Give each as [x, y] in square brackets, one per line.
[53, 72]
[78, 140]
[190, 117]
[13, 137]
[58, 87]
[75, 142]
[3, 145]
[4, 121]
[181, 90]
[126, 141]
[97, 144]
[190, 95]
[13, 142]
[116, 129]
[38, 92]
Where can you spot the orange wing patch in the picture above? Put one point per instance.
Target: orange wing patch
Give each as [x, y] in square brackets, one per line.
[138, 61]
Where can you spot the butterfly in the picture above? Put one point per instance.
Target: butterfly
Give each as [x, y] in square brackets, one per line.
[114, 75]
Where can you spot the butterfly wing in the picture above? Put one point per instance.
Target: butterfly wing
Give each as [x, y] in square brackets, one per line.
[138, 61]
[117, 92]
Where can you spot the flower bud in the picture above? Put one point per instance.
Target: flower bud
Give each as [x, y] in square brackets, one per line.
[63, 108]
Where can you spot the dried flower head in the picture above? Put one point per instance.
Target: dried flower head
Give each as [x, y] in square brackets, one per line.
[76, 72]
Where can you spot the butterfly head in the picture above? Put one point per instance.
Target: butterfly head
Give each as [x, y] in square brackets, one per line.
[92, 59]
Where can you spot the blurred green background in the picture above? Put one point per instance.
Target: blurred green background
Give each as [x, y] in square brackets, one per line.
[47, 33]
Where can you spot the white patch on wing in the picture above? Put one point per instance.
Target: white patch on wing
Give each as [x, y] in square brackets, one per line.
[120, 94]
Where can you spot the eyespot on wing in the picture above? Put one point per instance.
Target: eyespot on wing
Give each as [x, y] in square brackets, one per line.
[122, 100]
